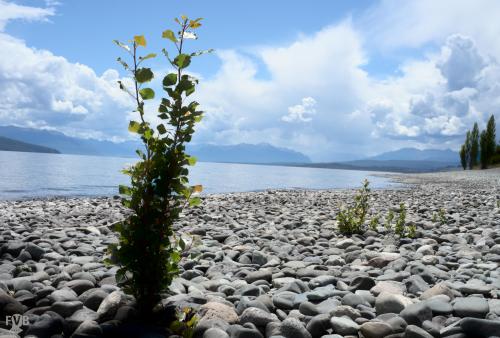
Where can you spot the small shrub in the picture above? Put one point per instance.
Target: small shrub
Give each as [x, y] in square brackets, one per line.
[351, 220]
[439, 217]
[22, 268]
[442, 216]
[411, 231]
[388, 220]
[374, 222]
[400, 226]
[148, 251]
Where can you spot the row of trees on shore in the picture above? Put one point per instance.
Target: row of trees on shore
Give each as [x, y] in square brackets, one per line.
[480, 148]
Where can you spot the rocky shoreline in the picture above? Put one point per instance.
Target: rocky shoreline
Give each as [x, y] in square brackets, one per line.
[270, 264]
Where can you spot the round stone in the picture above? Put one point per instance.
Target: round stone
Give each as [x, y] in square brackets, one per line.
[292, 327]
[215, 310]
[257, 316]
[375, 329]
[344, 325]
[471, 307]
[215, 333]
[480, 328]
[391, 303]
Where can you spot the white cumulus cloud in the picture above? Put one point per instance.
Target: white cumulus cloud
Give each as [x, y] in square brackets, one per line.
[460, 89]
[325, 67]
[11, 11]
[40, 89]
[301, 112]
[45, 90]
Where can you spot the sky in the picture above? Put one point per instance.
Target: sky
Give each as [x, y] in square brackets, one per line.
[335, 80]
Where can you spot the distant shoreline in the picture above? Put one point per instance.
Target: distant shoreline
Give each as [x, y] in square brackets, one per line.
[394, 166]
[345, 166]
[404, 181]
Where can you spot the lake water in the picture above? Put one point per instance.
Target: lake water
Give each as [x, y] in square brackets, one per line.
[29, 175]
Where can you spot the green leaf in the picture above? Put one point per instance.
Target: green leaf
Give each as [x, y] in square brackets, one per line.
[148, 133]
[195, 23]
[123, 63]
[175, 256]
[195, 201]
[182, 244]
[182, 60]
[198, 118]
[184, 84]
[134, 127]
[190, 90]
[149, 56]
[191, 160]
[127, 172]
[168, 34]
[124, 190]
[170, 80]
[161, 129]
[120, 276]
[165, 52]
[126, 203]
[147, 93]
[144, 75]
[140, 40]
[185, 192]
[122, 45]
[176, 326]
[191, 322]
[172, 93]
[140, 154]
[201, 52]
[166, 102]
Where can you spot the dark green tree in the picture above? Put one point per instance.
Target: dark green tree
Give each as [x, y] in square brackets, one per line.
[484, 156]
[474, 146]
[148, 250]
[496, 156]
[491, 138]
[468, 146]
[463, 156]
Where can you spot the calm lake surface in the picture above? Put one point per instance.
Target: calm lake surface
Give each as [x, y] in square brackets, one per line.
[31, 175]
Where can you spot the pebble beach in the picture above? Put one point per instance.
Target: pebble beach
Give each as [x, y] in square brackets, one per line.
[270, 264]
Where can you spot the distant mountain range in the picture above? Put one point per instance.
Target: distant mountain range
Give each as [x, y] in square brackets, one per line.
[246, 153]
[389, 165]
[68, 145]
[402, 160]
[240, 153]
[8, 144]
[412, 154]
